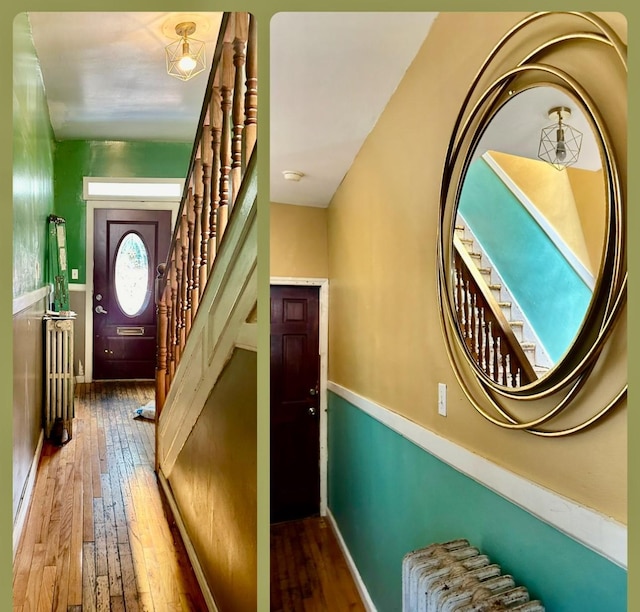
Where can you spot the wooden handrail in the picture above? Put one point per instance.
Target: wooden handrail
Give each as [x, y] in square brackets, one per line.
[226, 138]
[485, 330]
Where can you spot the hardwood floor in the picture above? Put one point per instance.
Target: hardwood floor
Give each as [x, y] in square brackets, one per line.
[97, 536]
[308, 571]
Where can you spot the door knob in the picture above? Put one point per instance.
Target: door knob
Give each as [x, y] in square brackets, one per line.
[312, 411]
[100, 309]
[313, 391]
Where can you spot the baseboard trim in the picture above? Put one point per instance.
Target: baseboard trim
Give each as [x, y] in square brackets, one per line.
[362, 589]
[25, 503]
[191, 551]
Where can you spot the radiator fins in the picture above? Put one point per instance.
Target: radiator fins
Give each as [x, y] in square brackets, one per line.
[455, 577]
[58, 402]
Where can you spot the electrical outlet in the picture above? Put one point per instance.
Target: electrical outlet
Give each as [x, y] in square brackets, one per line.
[442, 399]
[74, 274]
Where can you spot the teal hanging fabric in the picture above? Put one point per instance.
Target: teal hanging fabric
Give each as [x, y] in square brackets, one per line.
[57, 270]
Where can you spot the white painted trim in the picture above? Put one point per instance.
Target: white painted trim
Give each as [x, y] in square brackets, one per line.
[191, 551]
[592, 529]
[88, 302]
[77, 287]
[323, 284]
[580, 269]
[353, 568]
[27, 495]
[29, 299]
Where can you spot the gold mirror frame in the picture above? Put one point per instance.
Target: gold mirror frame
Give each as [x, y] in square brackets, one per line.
[491, 88]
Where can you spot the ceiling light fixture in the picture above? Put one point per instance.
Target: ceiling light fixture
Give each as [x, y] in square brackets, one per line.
[560, 143]
[185, 56]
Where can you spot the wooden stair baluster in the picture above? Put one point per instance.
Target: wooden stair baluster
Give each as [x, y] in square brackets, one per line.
[503, 362]
[175, 314]
[226, 91]
[474, 333]
[189, 254]
[161, 347]
[251, 92]
[207, 156]
[481, 337]
[196, 240]
[184, 285]
[239, 44]
[170, 271]
[215, 112]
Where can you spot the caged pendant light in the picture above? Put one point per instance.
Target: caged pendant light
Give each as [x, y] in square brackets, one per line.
[560, 143]
[185, 56]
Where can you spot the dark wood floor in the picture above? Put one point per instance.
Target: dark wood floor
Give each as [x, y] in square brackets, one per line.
[308, 570]
[98, 536]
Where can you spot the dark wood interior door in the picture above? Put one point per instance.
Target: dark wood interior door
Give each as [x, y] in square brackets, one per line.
[295, 403]
[128, 245]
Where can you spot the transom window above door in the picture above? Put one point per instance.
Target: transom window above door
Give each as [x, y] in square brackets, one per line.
[110, 188]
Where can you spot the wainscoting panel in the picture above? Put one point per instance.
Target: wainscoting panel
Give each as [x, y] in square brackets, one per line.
[389, 496]
[27, 394]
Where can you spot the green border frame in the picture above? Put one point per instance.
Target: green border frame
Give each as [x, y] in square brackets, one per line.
[264, 10]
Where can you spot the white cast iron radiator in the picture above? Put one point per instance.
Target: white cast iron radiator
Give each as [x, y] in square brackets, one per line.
[455, 577]
[59, 382]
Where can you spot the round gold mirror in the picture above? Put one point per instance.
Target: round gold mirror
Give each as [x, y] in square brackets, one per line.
[531, 250]
[529, 237]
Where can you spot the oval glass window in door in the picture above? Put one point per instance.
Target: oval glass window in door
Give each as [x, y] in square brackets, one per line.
[132, 274]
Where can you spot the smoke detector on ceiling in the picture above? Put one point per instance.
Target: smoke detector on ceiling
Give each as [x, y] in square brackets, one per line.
[292, 175]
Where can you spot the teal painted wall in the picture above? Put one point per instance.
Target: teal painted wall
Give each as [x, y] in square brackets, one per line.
[33, 166]
[549, 291]
[389, 496]
[75, 159]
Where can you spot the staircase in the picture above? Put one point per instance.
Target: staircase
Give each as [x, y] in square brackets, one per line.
[206, 297]
[522, 331]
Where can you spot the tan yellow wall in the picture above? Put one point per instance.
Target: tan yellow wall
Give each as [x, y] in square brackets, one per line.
[573, 202]
[385, 338]
[589, 194]
[298, 241]
[214, 484]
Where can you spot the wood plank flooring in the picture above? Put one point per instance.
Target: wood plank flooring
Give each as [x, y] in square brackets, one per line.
[308, 570]
[99, 535]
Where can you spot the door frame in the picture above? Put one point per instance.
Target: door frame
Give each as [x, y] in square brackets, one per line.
[323, 342]
[92, 205]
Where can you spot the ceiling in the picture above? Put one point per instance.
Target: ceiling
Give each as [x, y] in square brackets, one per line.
[331, 76]
[105, 74]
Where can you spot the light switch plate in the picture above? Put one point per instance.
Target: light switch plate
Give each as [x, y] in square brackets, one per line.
[442, 399]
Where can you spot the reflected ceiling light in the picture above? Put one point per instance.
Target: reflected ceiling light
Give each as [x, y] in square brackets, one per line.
[185, 56]
[560, 143]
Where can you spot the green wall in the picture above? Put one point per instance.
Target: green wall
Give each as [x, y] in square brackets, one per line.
[33, 167]
[389, 497]
[75, 159]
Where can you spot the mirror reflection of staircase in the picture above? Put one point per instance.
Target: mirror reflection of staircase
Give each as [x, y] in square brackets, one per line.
[522, 330]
